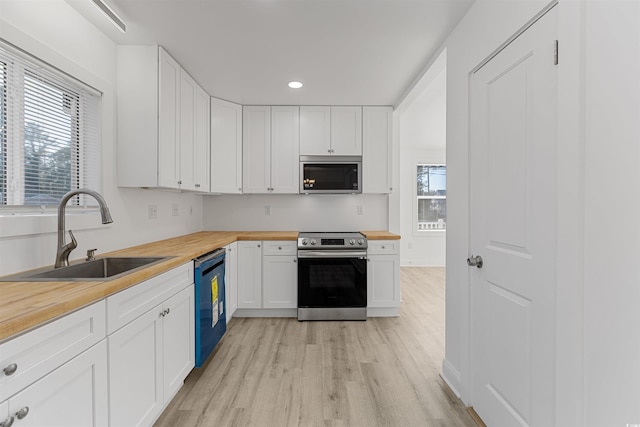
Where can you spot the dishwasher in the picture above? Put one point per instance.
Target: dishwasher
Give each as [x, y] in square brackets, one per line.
[210, 321]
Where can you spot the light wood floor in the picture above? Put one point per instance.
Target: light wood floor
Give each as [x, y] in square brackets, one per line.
[281, 372]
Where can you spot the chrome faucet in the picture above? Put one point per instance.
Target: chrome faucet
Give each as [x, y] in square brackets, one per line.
[64, 249]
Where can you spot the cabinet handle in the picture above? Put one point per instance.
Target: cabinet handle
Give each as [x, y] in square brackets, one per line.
[197, 185]
[168, 310]
[22, 413]
[8, 422]
[11, 369]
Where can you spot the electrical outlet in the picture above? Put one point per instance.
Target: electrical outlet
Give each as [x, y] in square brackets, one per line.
[267, 210]
[153, 211]
[359, 209]
[175, 209]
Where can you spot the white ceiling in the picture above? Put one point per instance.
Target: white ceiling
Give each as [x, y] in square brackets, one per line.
[346, 52]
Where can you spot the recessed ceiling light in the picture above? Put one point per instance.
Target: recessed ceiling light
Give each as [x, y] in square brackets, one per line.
[295, 85]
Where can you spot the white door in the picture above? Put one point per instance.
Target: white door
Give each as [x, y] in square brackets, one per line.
[249, 274]
[346, 131]
[513, 228]
[285, 149]
[256, 149]
[168, 121]
[75, 394]
[226, 147]
[202, 141]
[178, 335]
[315, 131]
[280, 281]
[188, 88]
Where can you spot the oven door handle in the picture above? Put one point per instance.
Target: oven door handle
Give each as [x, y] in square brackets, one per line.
[332, 254]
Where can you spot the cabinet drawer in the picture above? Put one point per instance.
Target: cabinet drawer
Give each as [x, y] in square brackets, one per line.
[42, 350]
[280, 247]
[383, 247]
[133, 302]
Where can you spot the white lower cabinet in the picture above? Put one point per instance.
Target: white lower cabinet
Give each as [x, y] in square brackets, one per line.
[249, 274]
[280, 275]
[75, 394]
[151, 355]
[383, 278]
[231, 279]
[57, 374]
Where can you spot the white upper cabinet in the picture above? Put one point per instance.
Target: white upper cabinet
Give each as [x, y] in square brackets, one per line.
[346, 131]
[201, 153]
[315, 131]
[326, 131]
[226, 147]
[163, 124]
[376, 149]
[270, 149]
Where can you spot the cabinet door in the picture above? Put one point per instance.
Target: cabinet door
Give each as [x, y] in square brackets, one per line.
[202, 141]
[135, 371]
[178, 347]
[249, 274]
[285, 146]
[169, 121]
[383, 281]
[226, 147]
[230, 279]
[75, 394]
[256, 149]
[280, 281]
[346, 131]
[187, 142]
[376, 149]
[315, 131]
[4, 415]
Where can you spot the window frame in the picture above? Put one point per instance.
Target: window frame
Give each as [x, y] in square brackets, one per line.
[39, 69]
[416, 198]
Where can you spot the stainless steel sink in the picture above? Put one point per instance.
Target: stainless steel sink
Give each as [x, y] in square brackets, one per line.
[100, 269]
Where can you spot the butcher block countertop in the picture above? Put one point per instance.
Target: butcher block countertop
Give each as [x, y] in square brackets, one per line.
[24, 305]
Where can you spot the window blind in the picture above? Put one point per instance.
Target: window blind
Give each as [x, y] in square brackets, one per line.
[49, 133]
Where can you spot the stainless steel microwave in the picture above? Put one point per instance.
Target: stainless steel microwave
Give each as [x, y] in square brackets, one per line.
[330, 174]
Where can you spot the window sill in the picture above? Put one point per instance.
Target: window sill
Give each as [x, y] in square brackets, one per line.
[30, 224]
[430, 233]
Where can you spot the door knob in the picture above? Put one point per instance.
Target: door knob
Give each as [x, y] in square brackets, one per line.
[474, 261]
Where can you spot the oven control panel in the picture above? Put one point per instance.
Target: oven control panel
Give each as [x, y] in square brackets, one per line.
[332, 241]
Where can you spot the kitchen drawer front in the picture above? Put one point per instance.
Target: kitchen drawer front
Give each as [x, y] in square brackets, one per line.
[133, 302]
[383, 247]
[280, 247]
[33, 355]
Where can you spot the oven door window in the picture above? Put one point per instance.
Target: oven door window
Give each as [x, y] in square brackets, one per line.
[332, 282]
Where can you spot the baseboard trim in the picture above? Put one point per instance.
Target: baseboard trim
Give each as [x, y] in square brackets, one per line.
[451, 376]
[476, 417]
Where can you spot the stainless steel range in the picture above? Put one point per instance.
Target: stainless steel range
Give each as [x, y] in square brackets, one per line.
[332, 276]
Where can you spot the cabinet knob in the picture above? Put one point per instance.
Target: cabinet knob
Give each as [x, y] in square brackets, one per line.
[179, 182]
[295, 260]
[22, 413]
[11, 369]
[279, 248]
[239, 189]
[7, 423]
[258, 245]
[197, 185]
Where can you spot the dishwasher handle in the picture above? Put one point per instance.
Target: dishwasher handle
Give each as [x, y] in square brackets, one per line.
[209, 256]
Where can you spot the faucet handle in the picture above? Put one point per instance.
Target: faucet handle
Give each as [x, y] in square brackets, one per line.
[73, 244]
[91, 254]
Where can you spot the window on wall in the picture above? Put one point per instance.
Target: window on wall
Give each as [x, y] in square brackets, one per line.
[431, 197]
[49, 133]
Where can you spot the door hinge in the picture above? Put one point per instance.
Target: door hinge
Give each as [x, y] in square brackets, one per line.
[555, 52]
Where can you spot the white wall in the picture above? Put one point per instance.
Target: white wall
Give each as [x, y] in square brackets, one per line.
[55, 32]
[313, 212]
[422, 127]
[598, 268]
